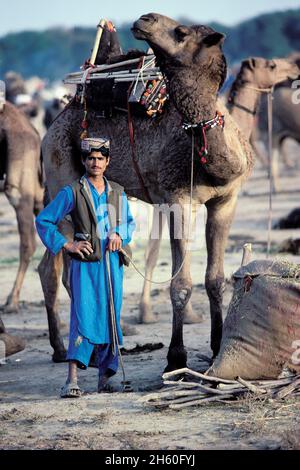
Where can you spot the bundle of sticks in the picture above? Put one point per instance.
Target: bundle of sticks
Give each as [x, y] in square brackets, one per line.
[202, 389]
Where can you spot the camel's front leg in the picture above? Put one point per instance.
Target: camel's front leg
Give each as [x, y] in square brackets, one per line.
[24, 212]
[50, 270]
[220, 213]
[181, 290]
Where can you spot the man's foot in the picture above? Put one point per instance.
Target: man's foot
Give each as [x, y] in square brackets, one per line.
[104, 386]
[70, 390]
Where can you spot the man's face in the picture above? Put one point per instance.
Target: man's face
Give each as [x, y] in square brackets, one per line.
[95, 163]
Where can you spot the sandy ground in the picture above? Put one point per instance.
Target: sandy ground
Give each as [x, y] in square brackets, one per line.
[33, 417]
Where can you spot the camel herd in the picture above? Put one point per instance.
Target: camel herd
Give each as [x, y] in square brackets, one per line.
[193, 63]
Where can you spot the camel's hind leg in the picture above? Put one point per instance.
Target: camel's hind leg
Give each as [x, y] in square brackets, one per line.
[50, 269]
[151, 256]
[24, 212]
[219, 217]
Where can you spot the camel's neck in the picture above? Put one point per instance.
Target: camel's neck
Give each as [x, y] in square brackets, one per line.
[243, 107]
[195, 97]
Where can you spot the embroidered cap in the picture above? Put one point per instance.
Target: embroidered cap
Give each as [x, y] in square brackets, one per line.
[91, 144]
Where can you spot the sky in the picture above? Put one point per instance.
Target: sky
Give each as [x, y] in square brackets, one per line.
[20, 15]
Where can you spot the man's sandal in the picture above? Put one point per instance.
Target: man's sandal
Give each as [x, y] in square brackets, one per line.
[70, 390]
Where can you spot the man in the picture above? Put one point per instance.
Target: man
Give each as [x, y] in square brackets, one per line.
[102, 221]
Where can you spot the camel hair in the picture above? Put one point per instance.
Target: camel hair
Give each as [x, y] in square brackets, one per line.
[255, 74]
[21, 170]
[193, 62]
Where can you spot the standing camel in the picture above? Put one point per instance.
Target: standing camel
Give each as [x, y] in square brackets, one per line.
[286, 122]
[255, 74]
[193, 62]
[21, 170]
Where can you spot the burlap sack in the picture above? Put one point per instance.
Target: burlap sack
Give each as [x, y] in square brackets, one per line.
[262, 329]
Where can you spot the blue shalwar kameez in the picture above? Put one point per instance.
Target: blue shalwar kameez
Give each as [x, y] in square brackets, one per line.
[89, 321]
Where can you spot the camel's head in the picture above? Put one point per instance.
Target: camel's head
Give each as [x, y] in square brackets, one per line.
[182, 46]
[265, 73]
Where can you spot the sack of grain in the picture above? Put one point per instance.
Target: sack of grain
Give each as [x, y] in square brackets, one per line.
[261, 332]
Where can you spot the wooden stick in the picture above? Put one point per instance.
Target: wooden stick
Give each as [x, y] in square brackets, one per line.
[198, 402]
[100, 28]
[209, 378]
[251, 387]
[247, 252]
[288, 390]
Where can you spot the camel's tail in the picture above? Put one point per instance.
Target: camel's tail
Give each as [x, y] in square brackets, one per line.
[41, 172]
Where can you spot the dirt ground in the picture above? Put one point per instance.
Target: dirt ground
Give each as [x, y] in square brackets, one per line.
[32, 416]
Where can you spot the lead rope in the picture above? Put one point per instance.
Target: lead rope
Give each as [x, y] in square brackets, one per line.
[112, 311]
[269, 92]
[270, 158]
[189, 227]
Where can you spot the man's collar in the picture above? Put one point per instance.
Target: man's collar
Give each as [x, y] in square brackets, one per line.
[108, 187]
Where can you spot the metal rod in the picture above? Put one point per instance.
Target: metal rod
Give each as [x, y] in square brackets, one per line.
[99, 68]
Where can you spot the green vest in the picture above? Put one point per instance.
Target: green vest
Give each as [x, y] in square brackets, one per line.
[85, 221]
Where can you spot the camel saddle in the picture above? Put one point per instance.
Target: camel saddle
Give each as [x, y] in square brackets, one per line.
[107, 96]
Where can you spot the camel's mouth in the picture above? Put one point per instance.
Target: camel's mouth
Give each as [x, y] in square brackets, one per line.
[138, 33]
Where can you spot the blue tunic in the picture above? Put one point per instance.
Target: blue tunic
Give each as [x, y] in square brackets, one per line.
[88, 280]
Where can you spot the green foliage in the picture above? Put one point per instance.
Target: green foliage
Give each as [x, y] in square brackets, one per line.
[55, 52]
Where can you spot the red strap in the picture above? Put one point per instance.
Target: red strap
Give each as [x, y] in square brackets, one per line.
[133, 152]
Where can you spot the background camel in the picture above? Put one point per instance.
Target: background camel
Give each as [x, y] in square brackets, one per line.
[21, 170]
[286, 123]
[257, 73]
[193, 62]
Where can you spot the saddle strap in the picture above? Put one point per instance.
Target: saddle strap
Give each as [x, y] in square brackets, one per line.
[133, 153]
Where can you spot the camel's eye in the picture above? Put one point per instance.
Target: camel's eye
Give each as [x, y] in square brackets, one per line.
[181, 32]
[272, 65]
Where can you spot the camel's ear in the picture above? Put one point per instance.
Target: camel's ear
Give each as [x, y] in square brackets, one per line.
[181, 32]
[214, 39]
[250, 63]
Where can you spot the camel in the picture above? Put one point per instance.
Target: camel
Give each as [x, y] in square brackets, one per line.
[193, 62]
[21, 170]
[258, 73]
[12, 344]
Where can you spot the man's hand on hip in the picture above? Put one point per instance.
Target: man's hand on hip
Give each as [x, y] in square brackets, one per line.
[79, 248]
[115, 242]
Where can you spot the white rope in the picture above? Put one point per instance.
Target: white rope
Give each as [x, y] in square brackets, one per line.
[270, 158]
[141, 71]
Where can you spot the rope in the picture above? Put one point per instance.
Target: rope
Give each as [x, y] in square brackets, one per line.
[269, 92]
[189, 228]
[270, 154]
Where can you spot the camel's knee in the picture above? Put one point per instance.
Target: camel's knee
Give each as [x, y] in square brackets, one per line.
[13, 195]
[180, 293]
[215, 286]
